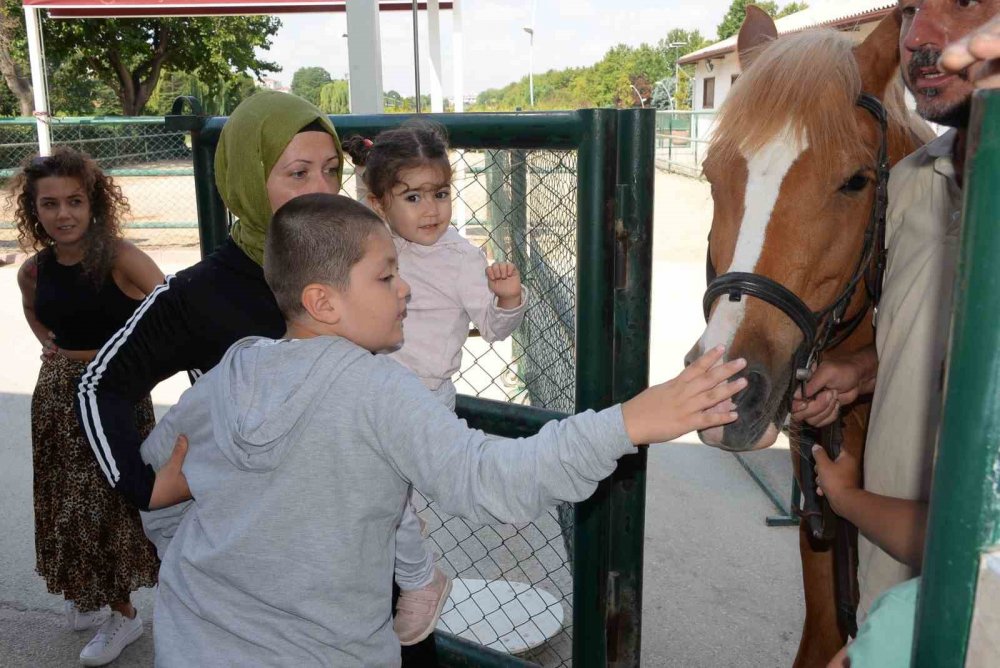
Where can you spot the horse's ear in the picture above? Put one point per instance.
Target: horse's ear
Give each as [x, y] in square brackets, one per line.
[757, 32]
[878, 55]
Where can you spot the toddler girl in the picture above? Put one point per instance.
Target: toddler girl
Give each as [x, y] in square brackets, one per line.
[407, 175]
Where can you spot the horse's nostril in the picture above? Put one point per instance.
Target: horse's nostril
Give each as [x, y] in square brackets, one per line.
[755, 393]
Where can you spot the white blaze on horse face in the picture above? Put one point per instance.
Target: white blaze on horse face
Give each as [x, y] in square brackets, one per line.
[766, 171]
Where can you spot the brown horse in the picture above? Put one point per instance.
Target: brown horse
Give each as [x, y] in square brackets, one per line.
[793, 166]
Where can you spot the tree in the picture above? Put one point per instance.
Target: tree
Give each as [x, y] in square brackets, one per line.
[307, 82]
[335, 97]
[13, 65]
[218, 98]
[733, 19]
[128, 55]
[669, 93]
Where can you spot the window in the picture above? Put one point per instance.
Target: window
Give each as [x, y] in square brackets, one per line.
[708, 94]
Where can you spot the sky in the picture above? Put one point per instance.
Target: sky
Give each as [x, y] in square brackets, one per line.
[567, 33]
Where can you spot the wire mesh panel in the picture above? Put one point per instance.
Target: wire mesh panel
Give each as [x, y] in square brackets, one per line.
[152, 166]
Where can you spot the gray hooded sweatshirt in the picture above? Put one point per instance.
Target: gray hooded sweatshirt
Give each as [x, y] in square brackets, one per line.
[300, 460]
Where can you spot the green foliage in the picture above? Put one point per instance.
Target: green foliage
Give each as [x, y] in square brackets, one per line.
[619, 79]
[335, 97]
[307, 82]
[89, 58]
[217, 98]
[733, 19]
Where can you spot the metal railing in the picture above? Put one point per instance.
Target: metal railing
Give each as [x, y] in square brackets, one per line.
[682, 139]
[567, 196]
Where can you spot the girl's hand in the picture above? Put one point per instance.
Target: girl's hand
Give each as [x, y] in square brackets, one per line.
[49, 347]
[505, 283]
[835, 476]
[696, 399]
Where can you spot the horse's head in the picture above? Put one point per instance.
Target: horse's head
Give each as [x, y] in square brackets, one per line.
[792, 164]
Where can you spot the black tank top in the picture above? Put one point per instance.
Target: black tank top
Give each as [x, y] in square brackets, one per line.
[82, 315]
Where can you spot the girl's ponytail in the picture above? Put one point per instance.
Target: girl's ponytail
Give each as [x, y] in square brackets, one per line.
[359, 148]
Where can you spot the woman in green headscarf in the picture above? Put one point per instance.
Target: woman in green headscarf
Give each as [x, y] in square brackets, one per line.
[275, 146]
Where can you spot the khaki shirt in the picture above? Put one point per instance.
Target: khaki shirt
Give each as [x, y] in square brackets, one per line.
[912, 330]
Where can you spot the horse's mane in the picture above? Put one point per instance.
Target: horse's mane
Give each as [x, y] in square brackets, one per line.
[809, 81]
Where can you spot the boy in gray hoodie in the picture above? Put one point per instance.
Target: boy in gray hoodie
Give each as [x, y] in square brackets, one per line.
[302, 452]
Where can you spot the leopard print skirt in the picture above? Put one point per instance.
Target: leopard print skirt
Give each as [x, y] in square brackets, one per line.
[89, 543]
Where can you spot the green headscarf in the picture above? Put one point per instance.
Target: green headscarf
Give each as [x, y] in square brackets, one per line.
[252, 141]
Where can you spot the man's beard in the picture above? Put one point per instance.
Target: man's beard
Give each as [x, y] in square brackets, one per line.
[956, 116]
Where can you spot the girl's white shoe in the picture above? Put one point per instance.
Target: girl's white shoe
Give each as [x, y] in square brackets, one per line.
[81, 621]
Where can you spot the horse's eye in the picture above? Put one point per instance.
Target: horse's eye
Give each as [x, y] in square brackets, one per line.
[854, 184]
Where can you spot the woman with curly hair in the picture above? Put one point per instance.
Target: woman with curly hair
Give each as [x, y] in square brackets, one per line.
[79, 288]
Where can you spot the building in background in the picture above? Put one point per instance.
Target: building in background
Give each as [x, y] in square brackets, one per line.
[717, 65]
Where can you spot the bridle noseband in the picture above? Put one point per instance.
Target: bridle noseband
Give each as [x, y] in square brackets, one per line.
[823, 329]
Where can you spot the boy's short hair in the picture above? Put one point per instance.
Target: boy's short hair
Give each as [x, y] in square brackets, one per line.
[314, 238]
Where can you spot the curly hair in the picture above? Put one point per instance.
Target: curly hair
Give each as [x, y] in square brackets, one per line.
[413, 144]
[107, 207]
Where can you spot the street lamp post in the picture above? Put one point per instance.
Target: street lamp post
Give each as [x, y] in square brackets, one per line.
[531, 55]
[531, 66]
[347, 75]
[677, 56]
[638, 95]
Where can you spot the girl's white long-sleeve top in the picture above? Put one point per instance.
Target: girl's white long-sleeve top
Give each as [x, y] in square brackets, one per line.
[449, 289]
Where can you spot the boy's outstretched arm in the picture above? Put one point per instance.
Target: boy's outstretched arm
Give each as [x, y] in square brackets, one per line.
[490, 479]
[896, 525]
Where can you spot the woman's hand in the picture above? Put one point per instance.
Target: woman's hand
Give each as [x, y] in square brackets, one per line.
[171, 486]
[49, 347]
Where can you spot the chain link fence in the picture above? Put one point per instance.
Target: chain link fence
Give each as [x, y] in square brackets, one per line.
[153, 167]
[513, 589]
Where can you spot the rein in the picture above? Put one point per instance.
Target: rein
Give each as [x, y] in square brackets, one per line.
[822, 330]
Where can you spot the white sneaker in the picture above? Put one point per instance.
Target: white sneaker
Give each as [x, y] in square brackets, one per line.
[81, 621]
[114, 635]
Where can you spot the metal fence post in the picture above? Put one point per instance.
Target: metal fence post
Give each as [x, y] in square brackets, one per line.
[965, 501]
[518, 221]
[596, 164]
[633, 265]
[213, 219]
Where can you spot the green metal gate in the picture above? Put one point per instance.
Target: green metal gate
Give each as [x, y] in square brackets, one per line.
[962, 557]
[568, 196]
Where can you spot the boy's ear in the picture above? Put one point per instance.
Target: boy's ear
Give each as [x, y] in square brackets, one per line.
[375, 204]
[322, 303]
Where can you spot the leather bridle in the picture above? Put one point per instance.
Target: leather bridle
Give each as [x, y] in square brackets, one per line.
[821, 331]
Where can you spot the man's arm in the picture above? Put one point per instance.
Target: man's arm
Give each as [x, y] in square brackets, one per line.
[837, 382]
[154, 344]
